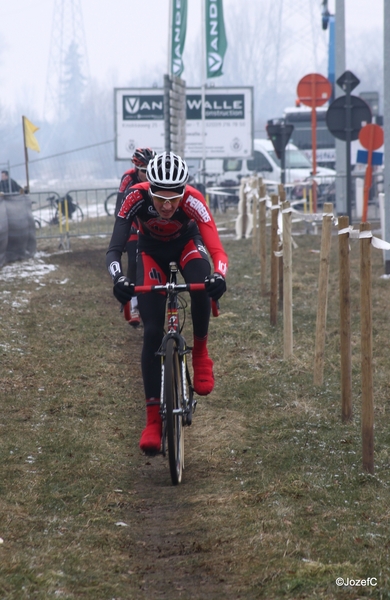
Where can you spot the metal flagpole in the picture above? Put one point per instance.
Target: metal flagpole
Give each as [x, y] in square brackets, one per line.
[25, 158]
[386, 44]
[204, 81]
[341, 162]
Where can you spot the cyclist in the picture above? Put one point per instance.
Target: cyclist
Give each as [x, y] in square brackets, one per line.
[175, 224]
[140, 160]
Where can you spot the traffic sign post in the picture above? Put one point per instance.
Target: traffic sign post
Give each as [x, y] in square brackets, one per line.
[279, 132]
[345, 118]
[314, 90]
[371, 137]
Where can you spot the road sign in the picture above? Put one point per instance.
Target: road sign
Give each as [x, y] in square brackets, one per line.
[336, 117]
[348, 81]
[371, 136]
[279, 133]
[314, 90]
[345, 117]
[362, 158]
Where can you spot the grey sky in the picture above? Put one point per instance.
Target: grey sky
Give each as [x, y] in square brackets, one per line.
[123, 37]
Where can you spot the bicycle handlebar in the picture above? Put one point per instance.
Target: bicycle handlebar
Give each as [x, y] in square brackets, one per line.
[170, 287]
[177, 287]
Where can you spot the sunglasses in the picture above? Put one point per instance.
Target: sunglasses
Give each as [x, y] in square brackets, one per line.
[142, 169]
[163, 199]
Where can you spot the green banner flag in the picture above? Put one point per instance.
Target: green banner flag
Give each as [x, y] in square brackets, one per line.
[216, 43]
[179, 28]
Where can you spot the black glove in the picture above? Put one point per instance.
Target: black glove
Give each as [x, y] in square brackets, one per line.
[123, 289]
[215, 286]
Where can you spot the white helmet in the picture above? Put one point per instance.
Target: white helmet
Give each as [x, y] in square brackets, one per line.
[167, 171]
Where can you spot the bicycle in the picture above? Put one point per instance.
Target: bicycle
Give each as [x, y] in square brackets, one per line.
[177, 403]
[64, 205]
[110, 203]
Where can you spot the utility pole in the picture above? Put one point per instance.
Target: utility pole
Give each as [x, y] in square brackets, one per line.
[341, 162]
[67, 44]
[386, 46]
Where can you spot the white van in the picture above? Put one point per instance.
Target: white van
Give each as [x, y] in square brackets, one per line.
[267, 165]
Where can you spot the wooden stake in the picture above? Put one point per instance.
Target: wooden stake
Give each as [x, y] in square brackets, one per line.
[366, 351]
[255, 203]
[274, 260]
[287, 277]
[263, 240]
[25, 159]
[282, 198]
[322, 296]
[345, 321]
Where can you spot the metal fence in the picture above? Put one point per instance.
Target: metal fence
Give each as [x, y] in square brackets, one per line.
[87, 212]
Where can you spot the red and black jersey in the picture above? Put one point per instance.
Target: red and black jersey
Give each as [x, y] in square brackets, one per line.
[129, 178]
[191, 217]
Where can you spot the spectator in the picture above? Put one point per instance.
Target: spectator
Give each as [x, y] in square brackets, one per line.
[9, 186]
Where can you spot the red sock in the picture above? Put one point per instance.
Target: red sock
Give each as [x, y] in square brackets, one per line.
[200, 345]
[151, 436]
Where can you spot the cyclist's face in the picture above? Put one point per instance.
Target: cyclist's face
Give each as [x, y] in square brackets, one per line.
[166, 202]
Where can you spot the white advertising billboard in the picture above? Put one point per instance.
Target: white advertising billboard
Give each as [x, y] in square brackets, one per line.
[139, 121]
[228, 126]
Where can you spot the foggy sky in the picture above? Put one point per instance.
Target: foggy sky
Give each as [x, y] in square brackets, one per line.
[125, 38]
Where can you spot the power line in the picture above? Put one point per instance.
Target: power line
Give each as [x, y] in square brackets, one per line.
[65, 152]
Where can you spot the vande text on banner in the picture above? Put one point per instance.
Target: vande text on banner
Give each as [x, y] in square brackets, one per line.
[216, 43]
[178, 35]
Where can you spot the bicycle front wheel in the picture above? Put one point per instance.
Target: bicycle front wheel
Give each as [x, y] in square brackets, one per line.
[172, 396]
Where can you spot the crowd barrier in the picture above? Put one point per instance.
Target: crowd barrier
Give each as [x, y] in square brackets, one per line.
[79, 212]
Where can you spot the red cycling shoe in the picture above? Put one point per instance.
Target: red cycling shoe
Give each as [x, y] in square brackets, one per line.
[203, 374]
[150, 441]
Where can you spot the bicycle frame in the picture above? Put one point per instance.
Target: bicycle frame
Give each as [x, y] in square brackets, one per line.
[172, 289]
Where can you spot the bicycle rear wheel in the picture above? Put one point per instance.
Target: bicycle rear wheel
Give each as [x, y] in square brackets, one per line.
[78, 214]
[172, 395]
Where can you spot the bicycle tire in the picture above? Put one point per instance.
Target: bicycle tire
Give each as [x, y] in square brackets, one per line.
[78, 214]
[174, 421]
[110, 204]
